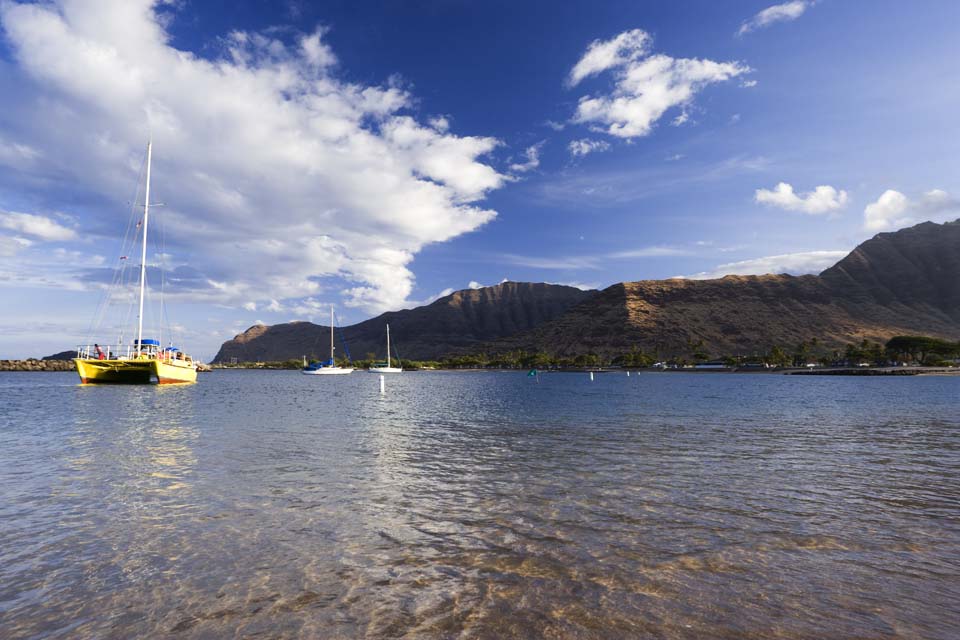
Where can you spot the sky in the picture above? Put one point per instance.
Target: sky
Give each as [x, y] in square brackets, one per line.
[378, 155]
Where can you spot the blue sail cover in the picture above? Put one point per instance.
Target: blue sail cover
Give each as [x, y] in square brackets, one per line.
[147, 342]
[313, 366]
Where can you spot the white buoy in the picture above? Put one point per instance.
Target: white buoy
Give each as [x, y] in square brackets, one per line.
[383, 388]
[591, 376]
[628, 374]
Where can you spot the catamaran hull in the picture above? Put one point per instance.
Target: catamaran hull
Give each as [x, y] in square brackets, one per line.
[385, 370]
[134, 372]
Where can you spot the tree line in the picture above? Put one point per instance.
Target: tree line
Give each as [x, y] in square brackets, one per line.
[919, 350]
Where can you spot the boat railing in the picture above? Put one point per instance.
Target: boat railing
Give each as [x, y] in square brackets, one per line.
[130, 352]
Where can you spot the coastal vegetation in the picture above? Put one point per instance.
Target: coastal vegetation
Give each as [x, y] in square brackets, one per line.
[912, 350]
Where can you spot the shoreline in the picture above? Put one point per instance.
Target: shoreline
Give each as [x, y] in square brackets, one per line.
[35, 365]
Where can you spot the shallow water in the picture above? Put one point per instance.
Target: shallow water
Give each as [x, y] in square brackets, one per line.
[481, 505]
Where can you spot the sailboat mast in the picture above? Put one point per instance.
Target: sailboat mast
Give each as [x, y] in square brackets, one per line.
[143, 253]
[388, 345]
[332, 361]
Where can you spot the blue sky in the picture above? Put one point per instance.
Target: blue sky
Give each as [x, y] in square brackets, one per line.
[377, 154]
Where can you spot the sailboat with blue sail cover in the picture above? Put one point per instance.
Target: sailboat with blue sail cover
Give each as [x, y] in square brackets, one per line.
[327, 367]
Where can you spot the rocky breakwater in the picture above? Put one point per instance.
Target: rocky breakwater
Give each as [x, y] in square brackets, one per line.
[32, 364]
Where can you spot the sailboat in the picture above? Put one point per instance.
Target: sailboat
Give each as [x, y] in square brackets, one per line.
[380, 368]
[145, 360]
[328, 367]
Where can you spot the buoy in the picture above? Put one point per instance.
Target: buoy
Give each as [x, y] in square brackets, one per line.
[383, 388]
[628, 374]
[591, 376]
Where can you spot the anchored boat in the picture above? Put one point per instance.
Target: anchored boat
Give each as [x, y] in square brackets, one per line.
[328, 367]
[386, 368]
[144, 361]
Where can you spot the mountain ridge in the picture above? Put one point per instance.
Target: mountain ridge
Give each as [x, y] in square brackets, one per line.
[900, 282]
[461, 320]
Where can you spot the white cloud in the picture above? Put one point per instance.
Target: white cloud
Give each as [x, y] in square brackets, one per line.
[11, 246]
[608, 54]
[650, 252]
[593, 261]
[561, 263]
[748, 84]
[585, 146]
[777, 13]
[792, 263]
[440, 123]
[583, 286]
[823, 199]
[260, 151]
[17, 155]
[38, 226]
[645, 87]
[474, 285]
[893, 209]
[532, 155]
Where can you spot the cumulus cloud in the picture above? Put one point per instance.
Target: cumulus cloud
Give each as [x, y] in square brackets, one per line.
[278, 175]
[823, 199]
[777, 13]
[645, 85]
[792, 263]
[601, 55]
[532, 155]
[585, 146]
[36, 226]
[893, 209]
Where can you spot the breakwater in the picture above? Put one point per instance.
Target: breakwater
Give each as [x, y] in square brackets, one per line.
[32, 364]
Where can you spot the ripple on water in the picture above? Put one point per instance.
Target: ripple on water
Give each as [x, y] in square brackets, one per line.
[479, 505]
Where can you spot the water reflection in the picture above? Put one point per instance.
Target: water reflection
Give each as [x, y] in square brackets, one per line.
[477, 505]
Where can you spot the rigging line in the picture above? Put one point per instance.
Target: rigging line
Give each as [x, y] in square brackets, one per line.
[165, 324]
[343, 339]
[160, 246]
[313, 349]
[107, 293]
[396, 353]
[130, 284]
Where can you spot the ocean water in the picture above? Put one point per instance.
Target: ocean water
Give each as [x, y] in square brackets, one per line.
[266, 504]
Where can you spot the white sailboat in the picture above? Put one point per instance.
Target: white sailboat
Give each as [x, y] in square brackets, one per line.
[378, 368]
[330, 366]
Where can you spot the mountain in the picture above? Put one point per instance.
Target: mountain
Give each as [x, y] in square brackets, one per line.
[460, 321]
[905, 282]
[63, 355]
[915, 269]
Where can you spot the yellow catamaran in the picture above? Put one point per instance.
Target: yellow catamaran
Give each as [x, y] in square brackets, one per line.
[145, 361]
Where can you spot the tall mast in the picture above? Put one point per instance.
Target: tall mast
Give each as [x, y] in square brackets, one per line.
[143, 253]
[332, 361]
[388, 345]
